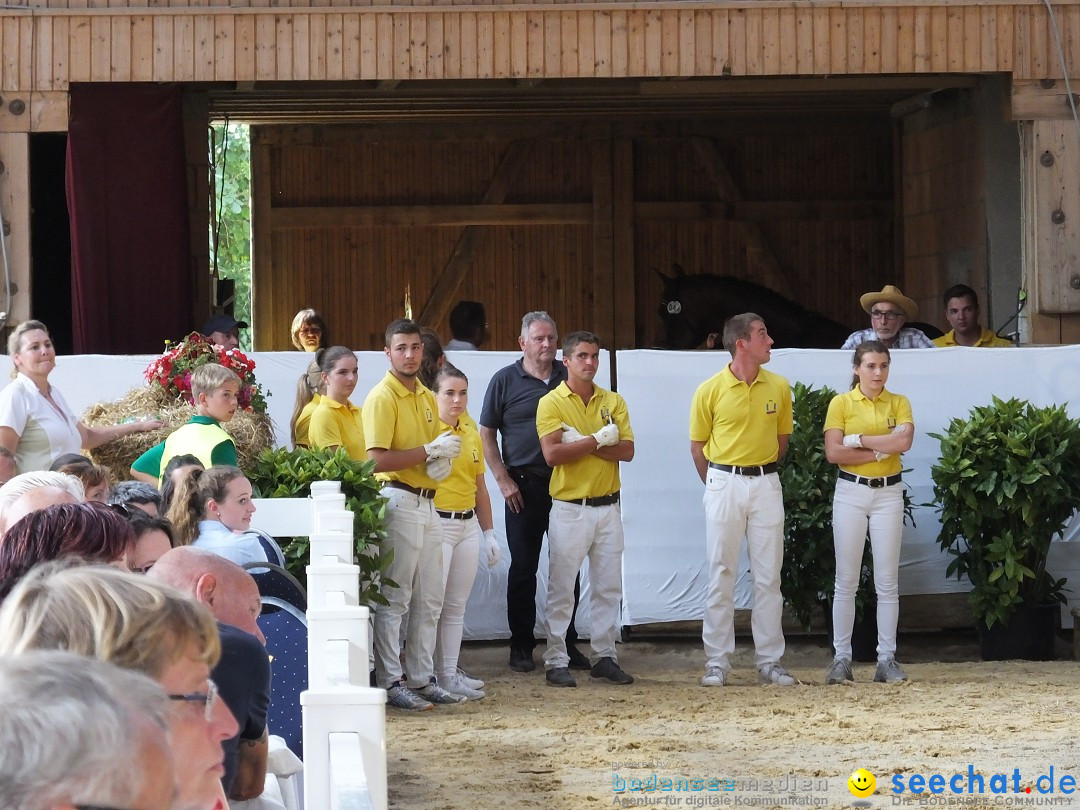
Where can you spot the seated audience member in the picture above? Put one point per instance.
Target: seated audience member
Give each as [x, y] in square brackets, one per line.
[962, 313]
[95, 478]
[89, 531]
[308, 331]
[224, 330]
[153, 539]
[212, 510]
[309, 390]
[136, 495]
[31, 491]
[889, 310]
[243, 673]
[214, 389]
[76, 732]
[175, 472]
[135, 623]
[468, 326]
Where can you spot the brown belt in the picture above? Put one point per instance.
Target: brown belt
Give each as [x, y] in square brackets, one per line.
[423, 493]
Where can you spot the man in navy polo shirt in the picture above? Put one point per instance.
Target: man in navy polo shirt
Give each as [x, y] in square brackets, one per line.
[523, 477]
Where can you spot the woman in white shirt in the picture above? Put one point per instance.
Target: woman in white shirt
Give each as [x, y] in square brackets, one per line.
[36, 423]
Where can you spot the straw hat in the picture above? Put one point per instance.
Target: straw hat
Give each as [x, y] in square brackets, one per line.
[891, 295]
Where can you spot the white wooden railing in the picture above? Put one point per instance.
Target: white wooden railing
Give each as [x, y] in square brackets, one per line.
[344, 719]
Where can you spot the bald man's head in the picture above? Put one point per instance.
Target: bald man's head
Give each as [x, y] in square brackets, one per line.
[223, 586]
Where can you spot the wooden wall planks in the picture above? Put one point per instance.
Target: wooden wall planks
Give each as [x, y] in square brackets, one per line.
[46, 48]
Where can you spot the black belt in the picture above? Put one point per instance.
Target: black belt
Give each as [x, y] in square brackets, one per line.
[761, 469]
[873, 483]
[603, 500]
[468, 513]
[423, 493]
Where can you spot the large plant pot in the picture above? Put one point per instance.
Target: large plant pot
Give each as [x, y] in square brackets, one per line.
[1029, 635]
[863, 634]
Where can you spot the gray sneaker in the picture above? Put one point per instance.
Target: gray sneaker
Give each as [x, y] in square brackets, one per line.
[714, 676]
[433, 693]
[399, 696]
[839, 672]
[888, 671]
[773, 673]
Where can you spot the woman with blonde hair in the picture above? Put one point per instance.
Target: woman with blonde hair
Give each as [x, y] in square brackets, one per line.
[135, 623]
[309, 390]
[308, 331]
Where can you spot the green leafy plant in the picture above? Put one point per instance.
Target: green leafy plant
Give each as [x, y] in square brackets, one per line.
[284, 473]
[1007, 481]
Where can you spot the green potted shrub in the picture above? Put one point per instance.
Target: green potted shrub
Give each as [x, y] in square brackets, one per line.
[284, 473]
[1006, 483]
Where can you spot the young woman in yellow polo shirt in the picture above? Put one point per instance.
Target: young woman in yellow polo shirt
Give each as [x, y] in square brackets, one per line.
[336, 421]
[866, 430]
[464, 509]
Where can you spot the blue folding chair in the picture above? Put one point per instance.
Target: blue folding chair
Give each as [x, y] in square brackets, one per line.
[287, 643]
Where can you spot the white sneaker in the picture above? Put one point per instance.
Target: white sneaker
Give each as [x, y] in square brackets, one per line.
[455, 685]
[399, 696]
[839, 671]
[433, 693]
[469, 680]
[774, 674]
[715, 676]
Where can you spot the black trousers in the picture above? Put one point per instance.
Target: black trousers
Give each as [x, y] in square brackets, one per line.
[525, 536]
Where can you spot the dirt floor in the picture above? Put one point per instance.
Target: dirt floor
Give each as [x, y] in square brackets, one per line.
[530, 745]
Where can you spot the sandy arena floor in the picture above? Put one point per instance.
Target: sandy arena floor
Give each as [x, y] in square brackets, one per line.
[534, 746]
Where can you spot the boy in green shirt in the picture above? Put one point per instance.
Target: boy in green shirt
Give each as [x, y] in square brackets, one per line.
[214, 389]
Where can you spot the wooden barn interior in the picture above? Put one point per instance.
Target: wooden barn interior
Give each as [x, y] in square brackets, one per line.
[563, 158]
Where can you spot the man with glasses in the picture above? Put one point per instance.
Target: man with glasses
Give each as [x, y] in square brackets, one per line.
[889, 310]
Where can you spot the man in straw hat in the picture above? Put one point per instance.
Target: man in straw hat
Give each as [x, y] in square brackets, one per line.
[889, 310]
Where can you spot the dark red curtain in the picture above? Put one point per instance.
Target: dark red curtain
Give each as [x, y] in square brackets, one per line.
[131, 285]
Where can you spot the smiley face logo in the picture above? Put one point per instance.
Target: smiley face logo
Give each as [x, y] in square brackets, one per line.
[862, 783]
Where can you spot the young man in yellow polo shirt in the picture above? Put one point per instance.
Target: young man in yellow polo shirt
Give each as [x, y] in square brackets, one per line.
[962, 313]
[740, 422]
[584, 433]
[401, 432]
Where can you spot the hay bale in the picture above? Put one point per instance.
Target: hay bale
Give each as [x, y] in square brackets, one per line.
[252, 432]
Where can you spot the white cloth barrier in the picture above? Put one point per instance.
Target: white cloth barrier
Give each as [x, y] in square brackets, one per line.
[663, 568]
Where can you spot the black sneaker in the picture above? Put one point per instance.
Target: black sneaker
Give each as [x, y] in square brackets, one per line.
[607, 670]
[521, 660]
[560, 676]
[578, 660]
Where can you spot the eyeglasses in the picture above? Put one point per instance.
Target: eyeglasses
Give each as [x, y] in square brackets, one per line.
[207, 698]
[887, 315]
[310, 330]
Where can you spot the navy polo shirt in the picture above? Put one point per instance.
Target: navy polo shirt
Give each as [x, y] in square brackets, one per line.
[510, 408]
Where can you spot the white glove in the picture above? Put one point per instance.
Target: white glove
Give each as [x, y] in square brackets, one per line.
[879, 456]
[853, 440]
[438, 468]
[570, 434]
[607, 436]
[492, 547]
[445, 445]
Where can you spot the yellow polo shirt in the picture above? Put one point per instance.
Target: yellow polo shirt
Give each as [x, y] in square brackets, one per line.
[457, 492]
[303, 421]
[739, 423]
[987, 338]
[588, 477]
[336, 425]
[854, 413]
[396, 418]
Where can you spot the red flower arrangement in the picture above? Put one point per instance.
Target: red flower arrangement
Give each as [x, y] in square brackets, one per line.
[172, 370]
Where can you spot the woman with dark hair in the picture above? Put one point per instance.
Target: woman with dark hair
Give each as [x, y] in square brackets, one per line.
[433, 359]
[866, 430]
[308, 331]
[175, 471]
[153, 537]
[90, 531]
[336, 422]
[309, 390]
